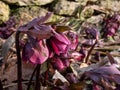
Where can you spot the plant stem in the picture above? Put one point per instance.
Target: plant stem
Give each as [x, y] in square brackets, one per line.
[37, 87]
[1, 86]
[89, 52]
[19, 64]
[28, 88]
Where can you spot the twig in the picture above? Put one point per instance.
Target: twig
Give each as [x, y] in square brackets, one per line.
[111, 59]
[89, 52]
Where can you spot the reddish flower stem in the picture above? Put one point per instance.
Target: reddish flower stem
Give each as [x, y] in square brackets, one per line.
[19, 63]
[37, 87]
[89, 52]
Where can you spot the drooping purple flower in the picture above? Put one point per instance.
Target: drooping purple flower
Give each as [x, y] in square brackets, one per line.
[66, 62]
[92, 33]
[58, 43]
[35, 49]
[37, 53]
[8, 28]
[111, 25]
[58, 64]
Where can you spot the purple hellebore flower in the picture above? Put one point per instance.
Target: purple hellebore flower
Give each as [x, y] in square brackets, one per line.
[92, 32]
[35, 49]
[37, 53]
[60, 63]
[58, 43]
[8, 28]
[112, 24]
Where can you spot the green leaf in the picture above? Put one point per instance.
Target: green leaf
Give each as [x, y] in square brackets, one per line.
[62, 28]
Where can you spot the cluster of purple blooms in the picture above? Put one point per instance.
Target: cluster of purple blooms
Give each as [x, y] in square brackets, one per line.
[44, 43]
[111, 25]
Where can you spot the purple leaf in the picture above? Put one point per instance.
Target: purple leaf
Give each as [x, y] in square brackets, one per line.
[8, 28]
[37, 21]
[37, 29]
[108, 73]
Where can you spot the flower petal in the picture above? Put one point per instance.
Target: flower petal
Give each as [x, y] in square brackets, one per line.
[36, 56]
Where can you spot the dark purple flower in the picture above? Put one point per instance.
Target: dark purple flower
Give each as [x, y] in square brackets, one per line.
[58, 43]
[35, 49]
[37, 53]
[57, 63]
[92, 33]
[8, 28]
[111, 25]
[66, 62]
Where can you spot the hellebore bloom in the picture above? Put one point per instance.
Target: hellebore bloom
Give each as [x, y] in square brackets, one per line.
[37, 53]
[58, 64]
[92, 33]
[58, 43]
[35, 49]
[111, 25]
[8, 28]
